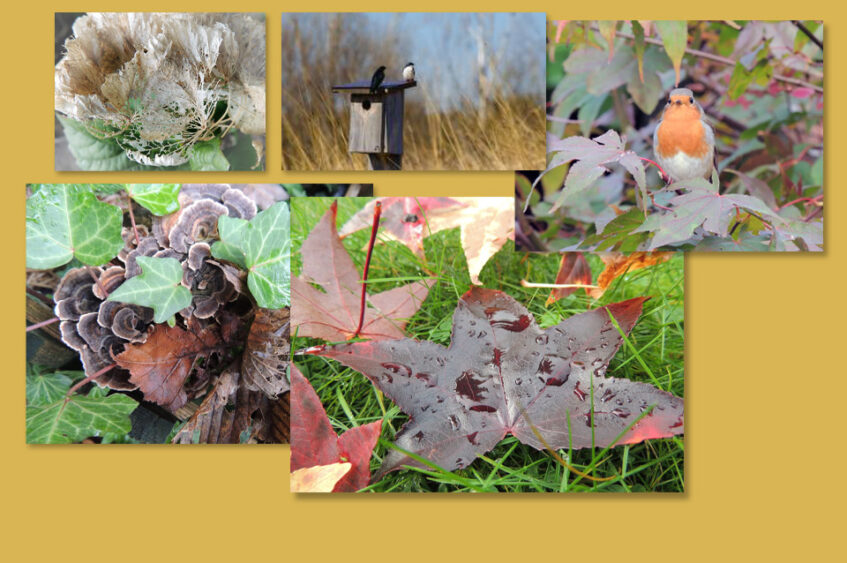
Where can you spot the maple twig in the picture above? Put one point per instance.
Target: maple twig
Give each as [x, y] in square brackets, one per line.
[36, 326]
[723, 60]
[132, 220]
[374, 229]
[665, 177]
[799, 25]
[82, 382]
[808, 200]
[525, 283]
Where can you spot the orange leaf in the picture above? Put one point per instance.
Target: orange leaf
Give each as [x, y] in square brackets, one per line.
[573, 269]
[617, 264]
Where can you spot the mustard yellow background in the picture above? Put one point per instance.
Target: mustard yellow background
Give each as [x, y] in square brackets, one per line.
[765, 344]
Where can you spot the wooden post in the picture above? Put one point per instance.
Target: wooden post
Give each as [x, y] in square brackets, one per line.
[376, 122]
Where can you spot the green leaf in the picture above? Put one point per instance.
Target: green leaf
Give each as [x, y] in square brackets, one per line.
[262, 247]
[618, 233]
[45, 389]
[157, 287]
[50, 420]
[638, 33]
[93, 153]
[608, 30]
[242, 154]
[65, 221]
[208, 156]
[674, 36]
[159, 199]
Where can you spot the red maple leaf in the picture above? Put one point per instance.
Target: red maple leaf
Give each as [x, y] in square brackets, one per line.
[333, 314]
[315, 443]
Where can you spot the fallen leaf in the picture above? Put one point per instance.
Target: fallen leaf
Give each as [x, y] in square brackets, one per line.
[265, 361]
[486, 223]
[402, 218]
[617, 264]
[333, 314]
[159, 286]
[503, 375]
[314, 442]
[161, 365]
[573, 269]
[318, 479]
[224, 415]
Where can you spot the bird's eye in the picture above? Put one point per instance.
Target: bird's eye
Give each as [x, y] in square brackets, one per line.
[690, 100]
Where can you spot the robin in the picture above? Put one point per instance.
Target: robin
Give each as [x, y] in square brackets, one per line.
[683, 142]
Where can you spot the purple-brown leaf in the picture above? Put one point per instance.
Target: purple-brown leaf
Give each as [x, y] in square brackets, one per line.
[503, 375]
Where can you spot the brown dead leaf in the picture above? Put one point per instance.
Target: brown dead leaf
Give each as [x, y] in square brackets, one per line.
[573, 270]
[161, 365]
[617, 264]
[224, 415]
[266, 356]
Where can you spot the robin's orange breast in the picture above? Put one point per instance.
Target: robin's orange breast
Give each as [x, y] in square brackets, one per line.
[681, 134]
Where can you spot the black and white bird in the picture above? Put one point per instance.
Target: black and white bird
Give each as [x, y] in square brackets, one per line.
[377, 79]
[409, 72]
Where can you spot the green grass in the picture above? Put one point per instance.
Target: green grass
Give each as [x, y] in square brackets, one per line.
[652, 353]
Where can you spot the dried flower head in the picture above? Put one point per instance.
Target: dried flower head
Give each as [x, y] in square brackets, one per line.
[159, 83]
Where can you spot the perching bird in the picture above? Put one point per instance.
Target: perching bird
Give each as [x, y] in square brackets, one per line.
[683, 142]
[377, 79]
[409, 72]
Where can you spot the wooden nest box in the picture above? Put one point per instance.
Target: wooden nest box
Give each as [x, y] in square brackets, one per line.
[376, 121]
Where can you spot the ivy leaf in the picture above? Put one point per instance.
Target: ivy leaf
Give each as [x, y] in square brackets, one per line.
[64, 221]
[44, 389]
[50, 420]
[261, 246]
[159, 199]
[208, 156]
[157, 287]
[674, 36]
[93, 153]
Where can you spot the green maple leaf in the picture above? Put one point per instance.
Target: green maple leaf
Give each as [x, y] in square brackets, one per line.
[158, 287]
[64, 221]
[159, 199]
[50, 420]
[262, 247]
